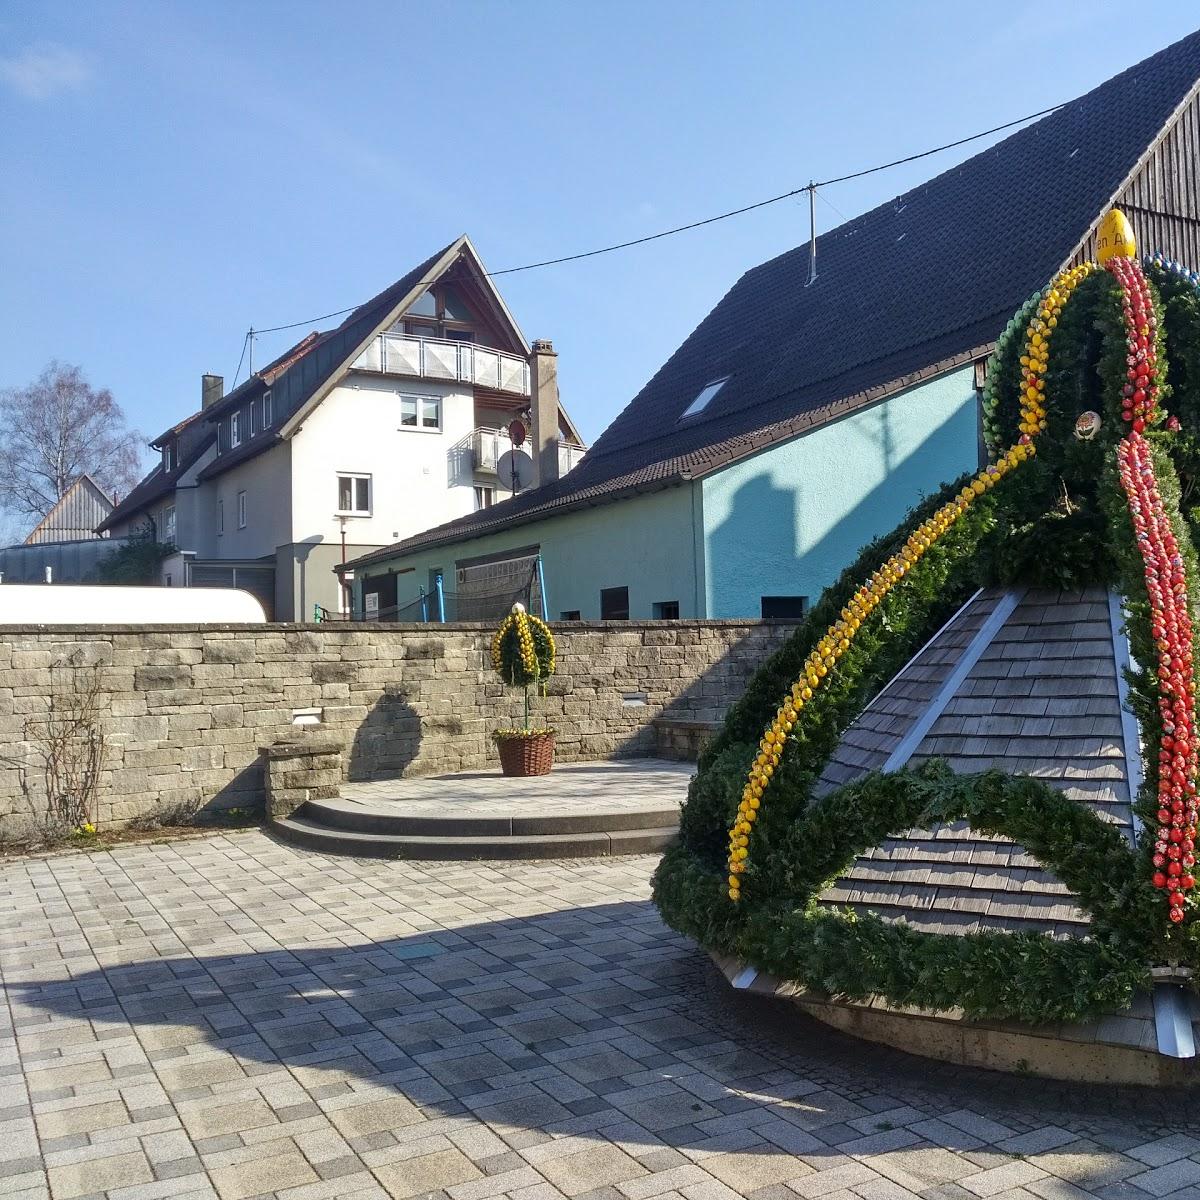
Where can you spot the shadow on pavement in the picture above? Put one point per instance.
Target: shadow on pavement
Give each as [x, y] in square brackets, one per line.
[573, 1022]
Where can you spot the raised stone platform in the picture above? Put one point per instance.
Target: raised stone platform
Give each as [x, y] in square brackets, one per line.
[579, 810]
[1118, 1048]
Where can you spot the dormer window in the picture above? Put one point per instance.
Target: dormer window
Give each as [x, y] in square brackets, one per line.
[266, 410]
[707, 392]
[170, 457]
[235, 429]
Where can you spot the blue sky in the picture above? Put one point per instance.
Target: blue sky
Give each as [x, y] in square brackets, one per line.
[174, 173]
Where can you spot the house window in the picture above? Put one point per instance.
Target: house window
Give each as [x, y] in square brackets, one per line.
[354, 495]
[170, 456]
[666, 610]
[266, 410]
[253, 417]
[168, 523]
[241, 503]
[420, 412]
[485, 497]
[707, 392]
[235, 429]
[784, 608]
[569, 614]
[614, 604]
[220, 516]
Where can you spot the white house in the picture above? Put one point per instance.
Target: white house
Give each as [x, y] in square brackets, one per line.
[391, 423]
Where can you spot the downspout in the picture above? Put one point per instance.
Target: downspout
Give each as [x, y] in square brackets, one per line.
[698, 598]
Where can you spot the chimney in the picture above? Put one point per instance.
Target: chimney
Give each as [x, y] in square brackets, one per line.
[212, 388]
[543, 404]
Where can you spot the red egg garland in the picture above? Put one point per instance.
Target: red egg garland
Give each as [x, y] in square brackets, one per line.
[1166, 586]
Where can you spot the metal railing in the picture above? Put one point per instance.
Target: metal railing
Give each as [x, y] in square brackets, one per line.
[433, 358]
[487, 445]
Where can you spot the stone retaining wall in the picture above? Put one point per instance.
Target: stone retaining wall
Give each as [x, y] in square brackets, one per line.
[186, 709]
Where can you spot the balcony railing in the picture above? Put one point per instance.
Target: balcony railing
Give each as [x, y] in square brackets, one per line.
[432, 358]
[487, 445]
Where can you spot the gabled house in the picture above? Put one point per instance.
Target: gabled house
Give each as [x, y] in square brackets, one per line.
[395, 420]
[801, 419]
[63, 546]
[83, 506]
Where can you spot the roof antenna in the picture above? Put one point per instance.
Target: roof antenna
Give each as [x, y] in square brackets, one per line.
[250, 335]
[812, 233]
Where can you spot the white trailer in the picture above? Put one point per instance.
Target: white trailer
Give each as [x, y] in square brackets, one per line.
[70, 604]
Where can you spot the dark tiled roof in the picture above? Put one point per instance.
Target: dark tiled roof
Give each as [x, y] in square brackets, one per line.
[195, 437]
[920, 283]
[1042, 699]
[301, 371]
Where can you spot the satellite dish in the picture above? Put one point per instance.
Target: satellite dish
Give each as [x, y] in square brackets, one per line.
[516, 433]
[515, 469]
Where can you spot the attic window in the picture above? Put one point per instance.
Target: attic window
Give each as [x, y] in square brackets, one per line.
[706, 394]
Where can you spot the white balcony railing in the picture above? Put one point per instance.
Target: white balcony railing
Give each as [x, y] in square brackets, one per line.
[487, 445]
[432, 358]
[569, 456]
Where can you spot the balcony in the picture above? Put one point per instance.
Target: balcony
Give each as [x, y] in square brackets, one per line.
[454, 362]
[487, 445]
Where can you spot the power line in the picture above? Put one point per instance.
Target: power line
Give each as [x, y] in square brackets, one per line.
[725, 216]
[245, 343]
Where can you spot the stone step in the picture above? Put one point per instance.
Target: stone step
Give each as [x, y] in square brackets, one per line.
[304, 830]
[445, 822]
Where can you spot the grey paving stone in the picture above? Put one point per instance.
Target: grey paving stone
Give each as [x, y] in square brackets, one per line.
[242, 1011]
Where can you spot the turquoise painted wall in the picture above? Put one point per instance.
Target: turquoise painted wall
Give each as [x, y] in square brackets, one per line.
[647, 544]
[787, 521]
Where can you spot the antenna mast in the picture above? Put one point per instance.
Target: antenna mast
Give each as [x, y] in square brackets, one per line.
[812, 233]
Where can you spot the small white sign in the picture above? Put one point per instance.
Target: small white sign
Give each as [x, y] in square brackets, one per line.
[371, 602]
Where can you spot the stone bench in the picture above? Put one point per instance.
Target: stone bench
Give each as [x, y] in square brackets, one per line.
[682, 740]
[300, 769]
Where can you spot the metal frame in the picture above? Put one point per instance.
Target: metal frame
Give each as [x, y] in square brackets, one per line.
[1130, 734]
[967, 660]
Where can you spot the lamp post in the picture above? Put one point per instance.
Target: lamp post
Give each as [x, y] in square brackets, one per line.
[342, 518]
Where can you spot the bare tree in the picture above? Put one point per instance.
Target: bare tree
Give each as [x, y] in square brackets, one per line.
[56, 429]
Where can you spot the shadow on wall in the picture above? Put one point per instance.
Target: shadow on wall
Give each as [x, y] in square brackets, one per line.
[388, 740]
[755, 551]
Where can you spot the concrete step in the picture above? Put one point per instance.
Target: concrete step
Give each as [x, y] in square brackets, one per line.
[359, 818]
[313, 834]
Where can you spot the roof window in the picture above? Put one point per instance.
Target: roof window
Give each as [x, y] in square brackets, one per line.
[707, 392]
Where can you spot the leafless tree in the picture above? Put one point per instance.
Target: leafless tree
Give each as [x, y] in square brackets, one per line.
[56, 429]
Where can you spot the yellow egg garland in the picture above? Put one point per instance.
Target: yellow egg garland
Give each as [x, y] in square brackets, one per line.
[523, 649]
[837, 638]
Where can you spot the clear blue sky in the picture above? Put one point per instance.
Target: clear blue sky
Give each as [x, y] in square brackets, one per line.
[173, 173]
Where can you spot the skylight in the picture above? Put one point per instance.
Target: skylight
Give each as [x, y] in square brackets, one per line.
[706, 394]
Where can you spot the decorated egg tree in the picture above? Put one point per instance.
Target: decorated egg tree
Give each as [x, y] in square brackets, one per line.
[1092, 419]
[522, 654]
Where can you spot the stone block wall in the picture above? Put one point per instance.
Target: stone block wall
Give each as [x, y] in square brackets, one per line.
[184, 710]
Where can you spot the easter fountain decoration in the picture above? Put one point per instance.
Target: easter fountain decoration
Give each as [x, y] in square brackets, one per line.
[957, 812]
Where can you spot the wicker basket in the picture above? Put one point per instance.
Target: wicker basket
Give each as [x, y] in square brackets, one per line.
[522, 756]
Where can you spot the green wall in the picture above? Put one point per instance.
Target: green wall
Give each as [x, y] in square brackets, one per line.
[787, 521]
[645, 543]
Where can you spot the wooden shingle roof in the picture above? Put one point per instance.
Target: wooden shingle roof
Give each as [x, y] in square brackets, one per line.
[1027, 682]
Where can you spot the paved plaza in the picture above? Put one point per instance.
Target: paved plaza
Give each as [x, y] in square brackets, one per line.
[610, 786]
[227, 1016]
